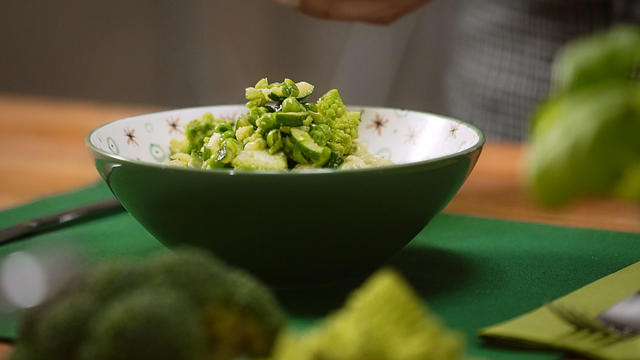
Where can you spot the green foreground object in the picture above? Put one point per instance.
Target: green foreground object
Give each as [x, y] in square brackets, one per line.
[472, 272]
[382, 319]
[185, 305]
[584, 138]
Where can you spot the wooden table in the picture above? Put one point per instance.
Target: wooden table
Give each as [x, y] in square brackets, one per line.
[42, 152]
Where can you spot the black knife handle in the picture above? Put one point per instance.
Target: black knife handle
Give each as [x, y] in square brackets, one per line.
[64, 218]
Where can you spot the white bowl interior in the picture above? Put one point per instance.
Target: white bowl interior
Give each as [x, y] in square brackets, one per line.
[400, 135]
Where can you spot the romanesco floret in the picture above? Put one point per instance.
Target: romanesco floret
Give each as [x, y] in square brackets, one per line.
[384, 320]
[343, 124]
[185, 305]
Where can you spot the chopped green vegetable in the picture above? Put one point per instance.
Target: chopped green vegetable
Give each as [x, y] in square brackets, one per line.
[260, 160]
[274, 141]
[305, 89]
[228, 150]
[290, 104]
[319, 155]
[290, 118]
[262, 138]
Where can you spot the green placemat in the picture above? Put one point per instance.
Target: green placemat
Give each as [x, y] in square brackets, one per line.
[473, 272]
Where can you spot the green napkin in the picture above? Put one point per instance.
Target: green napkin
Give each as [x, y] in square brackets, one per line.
[542, 328]
[472, 272]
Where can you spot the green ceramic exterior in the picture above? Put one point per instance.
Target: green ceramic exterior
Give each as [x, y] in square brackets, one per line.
[288, 227]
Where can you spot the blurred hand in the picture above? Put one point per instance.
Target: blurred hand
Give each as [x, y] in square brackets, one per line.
[372, 11]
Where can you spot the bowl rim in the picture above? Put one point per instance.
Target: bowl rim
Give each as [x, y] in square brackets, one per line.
[475, 147]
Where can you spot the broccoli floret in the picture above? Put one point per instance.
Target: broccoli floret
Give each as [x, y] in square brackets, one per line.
[23, 352]
[149, 323]
[246, 323]
[183, 305]
[240, 314]
[111, 279]
[61, 329]
[343, 124]
[258, 309]
[200, 276]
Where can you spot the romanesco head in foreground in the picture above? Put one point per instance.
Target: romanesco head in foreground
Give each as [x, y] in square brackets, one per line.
[382, 320]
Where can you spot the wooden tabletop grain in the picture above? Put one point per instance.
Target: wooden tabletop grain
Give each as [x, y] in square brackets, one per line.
[42, 152]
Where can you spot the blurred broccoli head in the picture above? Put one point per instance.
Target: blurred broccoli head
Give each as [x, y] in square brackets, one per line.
[148, 323]
[23, 352]
[108, 280]
[248, 321]
[200, 276]
[241, 315]
[183, 305]
[62, 327]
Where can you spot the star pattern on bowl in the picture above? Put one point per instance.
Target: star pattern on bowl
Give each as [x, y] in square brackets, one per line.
[174, 125]
[378, 123]
[131, 136]
[391, 133]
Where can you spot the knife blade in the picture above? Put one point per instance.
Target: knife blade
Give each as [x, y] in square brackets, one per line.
[624, 316]
[60, 219]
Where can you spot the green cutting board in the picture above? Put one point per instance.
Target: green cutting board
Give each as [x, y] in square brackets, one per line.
[472, 272]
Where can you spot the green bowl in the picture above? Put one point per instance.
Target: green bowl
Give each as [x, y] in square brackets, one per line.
[290, 226]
